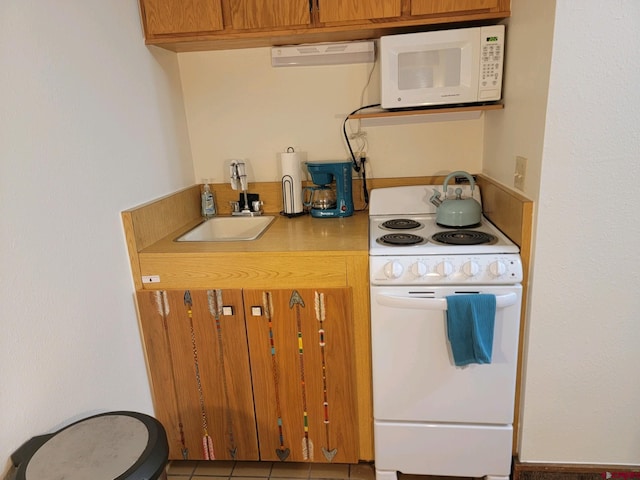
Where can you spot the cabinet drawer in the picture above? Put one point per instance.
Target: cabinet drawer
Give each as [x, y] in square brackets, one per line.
[198, 271]
[457, 450]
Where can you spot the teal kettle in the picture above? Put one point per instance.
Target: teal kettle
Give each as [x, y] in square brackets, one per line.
[457, 212]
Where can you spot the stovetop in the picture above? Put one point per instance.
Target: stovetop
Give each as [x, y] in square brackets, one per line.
[428, 262]
[410, 204]
[426, 229]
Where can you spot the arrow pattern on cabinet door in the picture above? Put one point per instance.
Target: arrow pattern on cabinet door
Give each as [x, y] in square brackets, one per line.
[307, 445]
[162, 306]
[214, 298]
[328, 452]
[181, 383]
[267, 303]
[303, 373]
[207, 442]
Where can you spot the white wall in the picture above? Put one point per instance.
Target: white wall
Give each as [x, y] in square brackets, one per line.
[238, 106]
[91, 123]
[581, 391]
[518, 130]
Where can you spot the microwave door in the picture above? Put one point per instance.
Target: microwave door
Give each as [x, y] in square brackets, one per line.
[420, 75]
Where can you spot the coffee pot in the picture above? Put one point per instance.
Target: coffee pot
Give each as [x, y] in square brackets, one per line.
[331, 196]
[323, 197]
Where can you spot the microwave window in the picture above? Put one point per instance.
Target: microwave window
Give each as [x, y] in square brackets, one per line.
[429, 69]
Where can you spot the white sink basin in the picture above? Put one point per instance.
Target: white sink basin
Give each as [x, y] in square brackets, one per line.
[228, 229]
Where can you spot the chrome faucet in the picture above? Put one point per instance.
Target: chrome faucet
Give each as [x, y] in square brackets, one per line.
[239, 182]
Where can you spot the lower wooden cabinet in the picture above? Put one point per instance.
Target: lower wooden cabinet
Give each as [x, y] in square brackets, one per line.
[301, 351]
[253, 374]
[199, 369]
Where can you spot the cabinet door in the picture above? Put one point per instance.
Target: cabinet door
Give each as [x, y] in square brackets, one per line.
[168, 17]
[302, 363]
[426, 7]
[257, 14]
[199, 367]
[350, 10]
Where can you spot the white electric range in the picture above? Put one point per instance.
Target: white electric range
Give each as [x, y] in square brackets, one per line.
[431, 417]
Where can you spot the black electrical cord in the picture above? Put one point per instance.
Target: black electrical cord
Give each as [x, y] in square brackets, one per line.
[356, 167]
[360, 167]
[365, 191]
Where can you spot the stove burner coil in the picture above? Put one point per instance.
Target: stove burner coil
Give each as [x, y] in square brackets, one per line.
[464, 237]
[401, 224]
[401, 239]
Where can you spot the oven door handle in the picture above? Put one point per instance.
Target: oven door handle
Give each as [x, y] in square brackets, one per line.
[502, 301]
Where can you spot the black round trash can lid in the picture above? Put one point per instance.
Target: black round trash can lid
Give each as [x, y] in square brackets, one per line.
[112, 446]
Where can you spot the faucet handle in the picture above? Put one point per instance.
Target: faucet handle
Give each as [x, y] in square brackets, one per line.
[256, 205]
[235, 206]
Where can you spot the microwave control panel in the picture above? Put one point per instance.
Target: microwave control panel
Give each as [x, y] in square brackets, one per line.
[491, 62]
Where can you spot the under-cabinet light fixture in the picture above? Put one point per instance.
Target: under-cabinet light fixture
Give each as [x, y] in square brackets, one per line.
[323, 54]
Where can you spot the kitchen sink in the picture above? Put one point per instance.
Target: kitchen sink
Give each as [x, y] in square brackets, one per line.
[228, 229]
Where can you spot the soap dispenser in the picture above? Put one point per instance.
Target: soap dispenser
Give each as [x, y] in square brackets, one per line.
[208, 201]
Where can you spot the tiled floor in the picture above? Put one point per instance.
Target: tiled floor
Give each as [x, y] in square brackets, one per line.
[202, 470]
[223, 470]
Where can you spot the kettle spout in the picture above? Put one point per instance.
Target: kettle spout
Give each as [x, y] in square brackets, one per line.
[435, 198]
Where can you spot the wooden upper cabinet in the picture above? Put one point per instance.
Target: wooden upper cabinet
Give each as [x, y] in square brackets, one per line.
[258, 14]
[350, 10]
[190, 25]
[171, 17]
[429, 7]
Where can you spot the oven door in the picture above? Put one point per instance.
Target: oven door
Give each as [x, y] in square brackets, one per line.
[414, 376]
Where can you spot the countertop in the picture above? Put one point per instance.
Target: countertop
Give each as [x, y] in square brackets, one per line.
[291, 236]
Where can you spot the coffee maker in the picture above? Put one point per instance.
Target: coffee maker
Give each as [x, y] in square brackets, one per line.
[325, 199]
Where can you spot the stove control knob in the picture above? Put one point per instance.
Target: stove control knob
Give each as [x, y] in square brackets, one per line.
[470, 269]
[393, 269]
[444, 269]
[497, 268]
[419, 269]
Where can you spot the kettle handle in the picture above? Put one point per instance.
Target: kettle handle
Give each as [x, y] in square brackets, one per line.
[458, 173]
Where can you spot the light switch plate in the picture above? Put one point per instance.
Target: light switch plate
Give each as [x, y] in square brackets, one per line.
[520, 173]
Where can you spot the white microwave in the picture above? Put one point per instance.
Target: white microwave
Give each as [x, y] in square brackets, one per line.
[444, 67]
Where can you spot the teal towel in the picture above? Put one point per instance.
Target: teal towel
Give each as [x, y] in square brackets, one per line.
[470, 322]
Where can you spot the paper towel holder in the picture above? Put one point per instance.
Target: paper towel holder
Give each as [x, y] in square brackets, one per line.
[287, 198]
[288, 194]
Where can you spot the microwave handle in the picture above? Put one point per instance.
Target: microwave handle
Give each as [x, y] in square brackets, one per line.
[502, 301]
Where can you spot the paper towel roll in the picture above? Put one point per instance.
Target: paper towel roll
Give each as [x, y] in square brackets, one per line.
[291, 162]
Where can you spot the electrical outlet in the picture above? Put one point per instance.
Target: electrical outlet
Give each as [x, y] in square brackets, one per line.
[520, 173]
